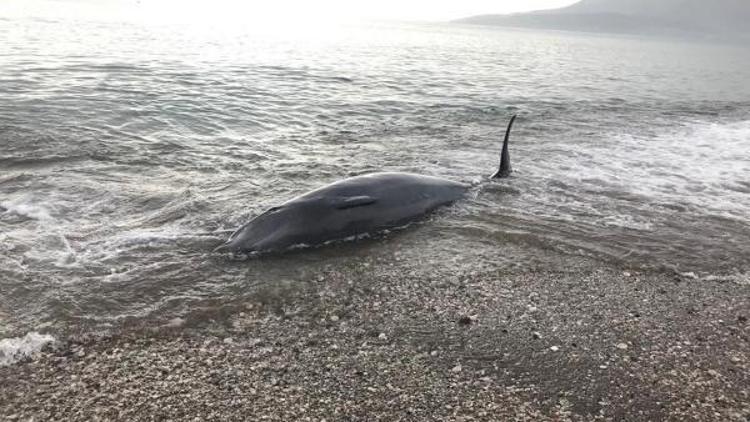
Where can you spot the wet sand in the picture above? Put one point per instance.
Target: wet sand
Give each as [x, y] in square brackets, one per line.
[590, 342]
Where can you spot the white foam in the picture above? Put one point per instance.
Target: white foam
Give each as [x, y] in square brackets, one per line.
[14, 349]
[626, 221]
[147, 237]
[26, 208]
[702, 164]
[743, 279]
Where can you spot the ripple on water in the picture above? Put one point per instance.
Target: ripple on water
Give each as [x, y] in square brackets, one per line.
[120, 168]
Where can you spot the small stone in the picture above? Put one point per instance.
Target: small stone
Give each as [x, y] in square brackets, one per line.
[622, 346]
[434, 353]
[554, 348]
[228, 340]
[334, 318]
[626, 273]
[465, 320]
[456, 369]
[535, 335]
[383, 337]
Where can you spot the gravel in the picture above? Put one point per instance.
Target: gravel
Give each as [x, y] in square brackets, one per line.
[592, 342]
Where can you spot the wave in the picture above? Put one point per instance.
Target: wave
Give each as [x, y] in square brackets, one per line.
[15, 349]
[25, 208]
[702, 165]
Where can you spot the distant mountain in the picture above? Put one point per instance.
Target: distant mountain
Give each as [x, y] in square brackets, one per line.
[722, 17]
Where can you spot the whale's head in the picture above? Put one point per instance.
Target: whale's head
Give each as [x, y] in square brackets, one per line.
[274, 230]
[256, 234]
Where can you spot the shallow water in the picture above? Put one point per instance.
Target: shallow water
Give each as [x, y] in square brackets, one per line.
[127, 152]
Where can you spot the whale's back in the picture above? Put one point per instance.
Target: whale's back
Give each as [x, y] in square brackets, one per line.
[358, 205]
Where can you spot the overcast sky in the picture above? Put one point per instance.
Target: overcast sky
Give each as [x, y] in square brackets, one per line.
[237, 10]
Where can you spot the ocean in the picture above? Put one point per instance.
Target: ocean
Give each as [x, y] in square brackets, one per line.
[128, 152]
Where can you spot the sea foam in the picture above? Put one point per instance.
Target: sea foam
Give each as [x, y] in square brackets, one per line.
[14, 349]
[25, 209]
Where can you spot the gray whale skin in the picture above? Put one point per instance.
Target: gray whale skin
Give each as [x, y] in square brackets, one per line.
[359, 205]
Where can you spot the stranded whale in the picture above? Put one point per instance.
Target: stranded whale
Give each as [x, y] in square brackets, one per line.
[363, 204]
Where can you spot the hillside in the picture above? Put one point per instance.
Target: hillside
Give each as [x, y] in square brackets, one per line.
[722, 17]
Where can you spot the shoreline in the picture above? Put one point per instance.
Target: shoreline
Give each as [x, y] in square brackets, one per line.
[592, 342]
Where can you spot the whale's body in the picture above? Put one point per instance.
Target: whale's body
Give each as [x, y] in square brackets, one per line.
[359, 205]
[355, 206]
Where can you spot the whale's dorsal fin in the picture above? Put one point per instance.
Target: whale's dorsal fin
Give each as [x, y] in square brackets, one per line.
[353, 201]
[505, 170]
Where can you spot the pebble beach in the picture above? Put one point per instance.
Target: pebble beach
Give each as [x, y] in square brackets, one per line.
[592, 342]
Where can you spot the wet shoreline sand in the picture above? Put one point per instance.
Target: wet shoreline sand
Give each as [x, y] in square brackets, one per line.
[591, 342]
